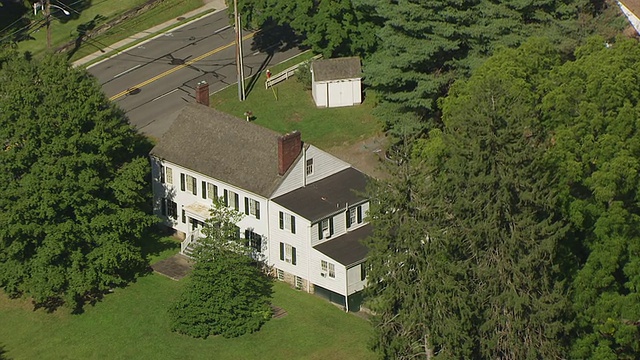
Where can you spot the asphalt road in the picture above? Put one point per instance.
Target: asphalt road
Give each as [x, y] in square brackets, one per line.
[154, 80]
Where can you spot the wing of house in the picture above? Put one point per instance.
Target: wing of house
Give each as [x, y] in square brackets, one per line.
[305, 212]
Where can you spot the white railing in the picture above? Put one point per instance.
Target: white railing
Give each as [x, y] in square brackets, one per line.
[191, 237]
[286, 74]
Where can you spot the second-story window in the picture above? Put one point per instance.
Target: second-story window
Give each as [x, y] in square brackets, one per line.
[252, 207]
[188, 183]
[231, 199]
[287, 222]
[325, 228]
[309, 166]
[354, 216]
[168, 175]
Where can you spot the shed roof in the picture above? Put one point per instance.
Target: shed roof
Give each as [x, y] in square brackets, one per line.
[223, 147]
[324, 197]
[337, 69]
[347, 249]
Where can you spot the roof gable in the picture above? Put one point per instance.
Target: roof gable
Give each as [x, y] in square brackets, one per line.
[223, 147]
[337, 69]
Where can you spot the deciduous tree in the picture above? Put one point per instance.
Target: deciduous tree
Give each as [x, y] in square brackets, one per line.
[75, 185]
[227, 294]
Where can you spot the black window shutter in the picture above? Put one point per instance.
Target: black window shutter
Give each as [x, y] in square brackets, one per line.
[226, 198]
[281, 220]
[282, 251]
[215, 192]
[204, 189]
[181, 181]
[293, 224]
[184, 217]
[258, 242]
[349, 218]
[257, 210]
[246, 206]
[363, 271]
[320, 230]
[162, 174]
[359, 214]
[195, 185]
[331, 225]
[163, 206]
[293, 255]
[247, 237]
[237, 202]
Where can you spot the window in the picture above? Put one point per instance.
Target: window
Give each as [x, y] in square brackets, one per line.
[252, 207]
[211, 192]
[354, 216]
[168, 176]
[288, 222]
[363, 271]
[231, 199]
[309, 166]
[325, 228]
[188, 183]
[328, 269]
[288, 253]
[172, 209]
[253, 240]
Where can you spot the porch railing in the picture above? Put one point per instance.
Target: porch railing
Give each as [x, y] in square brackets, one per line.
[193, 236]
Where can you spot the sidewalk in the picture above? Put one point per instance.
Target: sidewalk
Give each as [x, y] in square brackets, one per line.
[211, 6]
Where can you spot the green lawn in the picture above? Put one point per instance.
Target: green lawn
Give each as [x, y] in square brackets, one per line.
[132, 323]
[64, 29]
[295, 110]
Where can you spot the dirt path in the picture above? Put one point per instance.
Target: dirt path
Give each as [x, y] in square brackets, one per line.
[366, 155]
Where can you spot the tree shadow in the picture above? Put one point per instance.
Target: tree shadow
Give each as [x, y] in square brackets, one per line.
[3, 353]
[273, 37]
[82, 30]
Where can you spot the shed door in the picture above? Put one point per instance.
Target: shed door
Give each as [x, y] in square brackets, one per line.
[340, 94]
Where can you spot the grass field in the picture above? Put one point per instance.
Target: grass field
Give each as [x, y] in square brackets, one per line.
[132, 323]
[295, 110]
[65, 29]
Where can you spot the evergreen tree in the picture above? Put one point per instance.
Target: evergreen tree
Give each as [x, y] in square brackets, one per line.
[425, 45]
[227, 294]
[475, 235]
[75, 185]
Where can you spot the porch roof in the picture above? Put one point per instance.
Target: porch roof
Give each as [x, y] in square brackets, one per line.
[198, 209]
[347, 249]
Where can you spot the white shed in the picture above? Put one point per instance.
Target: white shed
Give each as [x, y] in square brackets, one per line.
[336, 82]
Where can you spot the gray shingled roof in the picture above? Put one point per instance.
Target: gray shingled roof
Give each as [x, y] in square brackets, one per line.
[347, 249]
[324, 197]
[224, 147]
[337, 69]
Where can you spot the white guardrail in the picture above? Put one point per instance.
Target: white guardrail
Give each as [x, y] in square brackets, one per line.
[286, 74]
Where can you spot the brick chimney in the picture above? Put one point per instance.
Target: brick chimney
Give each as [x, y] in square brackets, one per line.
[289, 147]
[202, 93]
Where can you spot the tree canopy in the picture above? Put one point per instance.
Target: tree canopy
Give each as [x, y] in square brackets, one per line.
[74, 203]
[227, 293]
[510, 233]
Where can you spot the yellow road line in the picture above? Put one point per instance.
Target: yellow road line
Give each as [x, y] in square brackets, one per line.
[172, 70]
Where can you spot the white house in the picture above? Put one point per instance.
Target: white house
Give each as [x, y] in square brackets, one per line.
[336, 82]
[304, 209]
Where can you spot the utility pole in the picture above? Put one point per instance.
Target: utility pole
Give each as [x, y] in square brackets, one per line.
[46, 6]
[239, 63]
